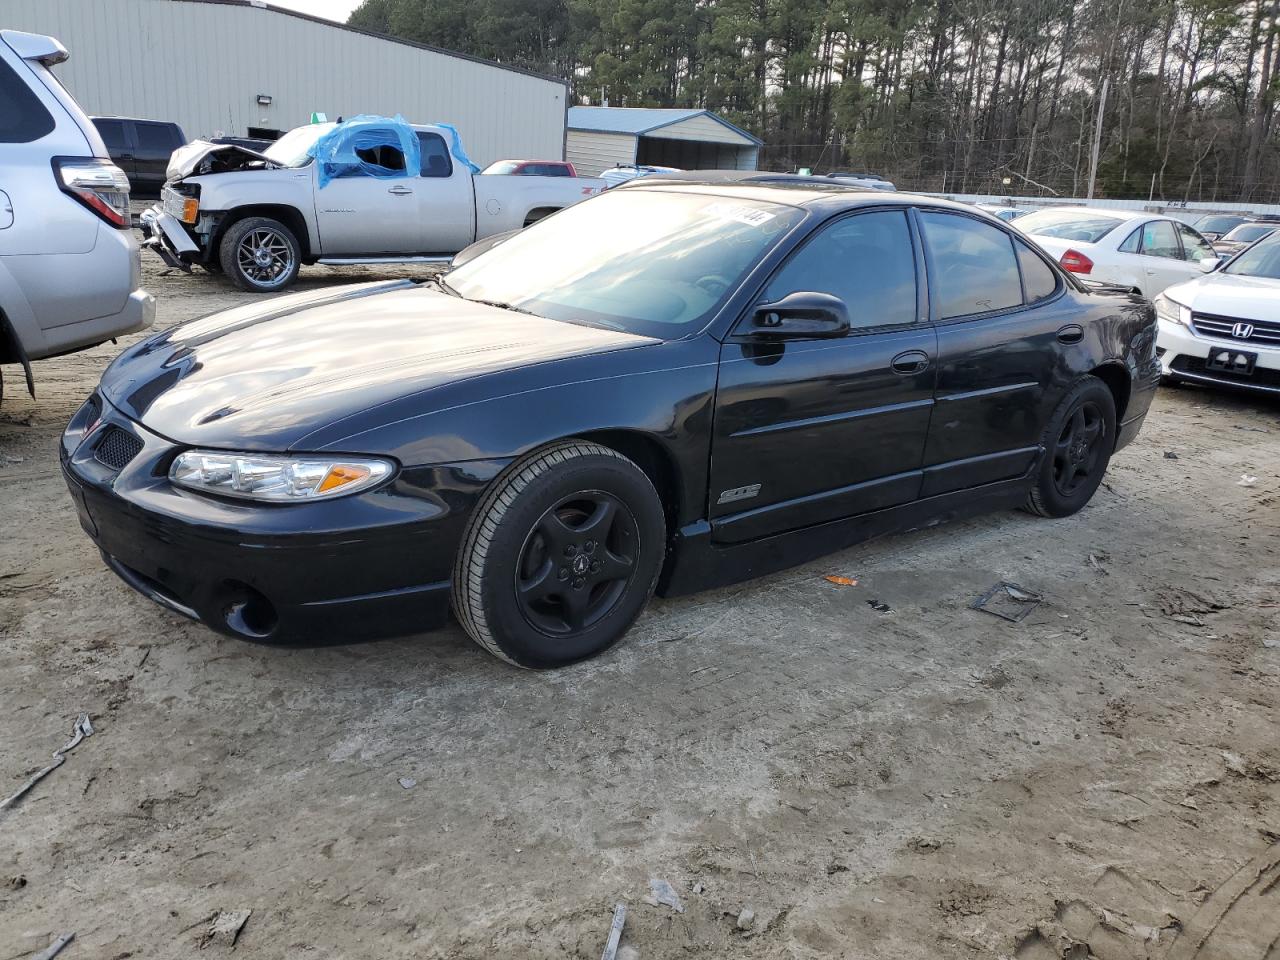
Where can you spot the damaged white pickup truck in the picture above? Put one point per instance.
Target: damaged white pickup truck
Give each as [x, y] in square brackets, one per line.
[370, 190]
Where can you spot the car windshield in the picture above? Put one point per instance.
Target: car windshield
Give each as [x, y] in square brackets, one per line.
[1085, 226]
[501, 167]
[1260, 260]
[1248, 232]
[647, 262]
[291, 149]
[1216, 223]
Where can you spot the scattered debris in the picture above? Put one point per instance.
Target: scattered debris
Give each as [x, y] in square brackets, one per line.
[924, 844]
[18, 882]
[83, 728]
[55, 948]
[662, 893]
[1008, 601]
[615, 932]
[835, 867]
[1185, 606]
[1241, 426]
[1170, 455]
[1096, 560]
[225, 927]
[746, 918]
[879, 606]
[1235, 763]
[698, 888]
[408, 782]
[1271, 642]
[1189, 803]
[840, 581]
[1246, 480]
[146, 652]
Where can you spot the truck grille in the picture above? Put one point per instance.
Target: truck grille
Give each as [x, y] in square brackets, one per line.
[116, 448]
[1264, 333]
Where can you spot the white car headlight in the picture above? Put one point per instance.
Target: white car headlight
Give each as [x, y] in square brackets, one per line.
[1169, 309]
[276, 479]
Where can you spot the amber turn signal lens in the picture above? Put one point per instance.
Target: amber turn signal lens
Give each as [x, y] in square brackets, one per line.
[190, 207]
[340, 476]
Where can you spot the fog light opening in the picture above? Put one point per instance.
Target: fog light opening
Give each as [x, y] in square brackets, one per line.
[249, 613]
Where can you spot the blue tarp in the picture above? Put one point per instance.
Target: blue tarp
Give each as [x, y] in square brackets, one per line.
[455, 147]
[338, 152]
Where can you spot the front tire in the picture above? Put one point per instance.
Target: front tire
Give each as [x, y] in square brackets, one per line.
[1078, 444]
[260, 255]
[560, 556]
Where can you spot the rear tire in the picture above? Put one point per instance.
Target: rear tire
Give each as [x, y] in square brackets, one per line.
[1078, 442]
[560, 556]
[260, 255]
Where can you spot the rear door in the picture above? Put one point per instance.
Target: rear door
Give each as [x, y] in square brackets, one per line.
[1158, 255]
[154, 143]
[1002, 320]
[446, 200]
[813, 430]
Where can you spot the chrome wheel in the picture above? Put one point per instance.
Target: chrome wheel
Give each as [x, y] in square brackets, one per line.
[577, 562]
[265, 257]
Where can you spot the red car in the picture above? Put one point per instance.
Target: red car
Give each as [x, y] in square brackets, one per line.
[531, 168]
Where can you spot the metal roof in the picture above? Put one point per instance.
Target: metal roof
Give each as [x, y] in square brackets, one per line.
[641, 120]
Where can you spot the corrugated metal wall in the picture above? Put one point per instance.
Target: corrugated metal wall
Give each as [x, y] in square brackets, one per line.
[592, 152]
[702, 128]
[204, 65]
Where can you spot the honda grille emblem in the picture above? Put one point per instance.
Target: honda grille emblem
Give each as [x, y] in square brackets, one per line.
[1242, 331]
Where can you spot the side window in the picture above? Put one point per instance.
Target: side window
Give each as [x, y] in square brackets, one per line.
[155, 138]
[387, 157]
[1133, 242]
[23, 117]
[435, 156]
[112, 132]
[975, 269]
[866, 260]
[1159, 240]
[1038, 279]
[1194, 247]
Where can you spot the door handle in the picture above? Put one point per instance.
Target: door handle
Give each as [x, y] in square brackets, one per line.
[913, 361]
[1071, 333]
[400, 191]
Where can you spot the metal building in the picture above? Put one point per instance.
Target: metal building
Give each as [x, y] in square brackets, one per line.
[223, 66]
[602, 137]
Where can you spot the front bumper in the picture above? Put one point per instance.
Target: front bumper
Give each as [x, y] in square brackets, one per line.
[369, 565]
[1184, 355]
[164, 234]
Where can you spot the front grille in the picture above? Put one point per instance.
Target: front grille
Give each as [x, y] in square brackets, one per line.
[1264, 333]
[1269, 379]
[116, 448]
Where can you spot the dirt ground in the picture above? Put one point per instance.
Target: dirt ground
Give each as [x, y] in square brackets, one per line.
[875, 771]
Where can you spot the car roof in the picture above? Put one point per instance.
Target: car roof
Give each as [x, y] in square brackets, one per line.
[796, 191]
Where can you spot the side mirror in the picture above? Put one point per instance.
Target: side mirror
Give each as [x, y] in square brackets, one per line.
[1210, 264]
[803, 314]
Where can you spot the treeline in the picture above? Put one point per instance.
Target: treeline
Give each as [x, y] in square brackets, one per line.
[964, 95]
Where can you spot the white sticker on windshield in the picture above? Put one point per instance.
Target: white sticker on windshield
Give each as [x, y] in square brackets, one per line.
[751, 216]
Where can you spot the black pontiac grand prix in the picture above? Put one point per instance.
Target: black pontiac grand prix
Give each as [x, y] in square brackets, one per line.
[670, 387]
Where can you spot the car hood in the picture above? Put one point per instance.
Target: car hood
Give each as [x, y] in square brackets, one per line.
[1230, 295]
[195, 157]
[264, 376]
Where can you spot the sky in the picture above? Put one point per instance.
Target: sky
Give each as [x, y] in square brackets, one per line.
[337, 10]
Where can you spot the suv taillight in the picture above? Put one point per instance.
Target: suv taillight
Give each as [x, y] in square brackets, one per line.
[1073, 261]
[99, 184]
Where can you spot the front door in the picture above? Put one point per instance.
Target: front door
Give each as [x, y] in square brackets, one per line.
[1002, 323]
[366, 216]
[813, 430]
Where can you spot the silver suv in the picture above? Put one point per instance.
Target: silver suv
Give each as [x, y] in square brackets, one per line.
[69, 263]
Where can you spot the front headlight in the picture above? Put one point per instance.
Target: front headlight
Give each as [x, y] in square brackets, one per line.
[1171, 310]
[276, 479]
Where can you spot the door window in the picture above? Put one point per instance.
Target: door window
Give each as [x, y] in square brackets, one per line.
[155, 138]
[1160, 240]
[1194, 247]
[973, 264]
[1038, 279]
[112, 132]
[23, 117]
[866, 260]
[435, 156]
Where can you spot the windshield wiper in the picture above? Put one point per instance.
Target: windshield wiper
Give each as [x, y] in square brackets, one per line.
[441, 284]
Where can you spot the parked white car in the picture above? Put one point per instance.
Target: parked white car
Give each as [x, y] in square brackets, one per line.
[1140, 251]
[1003, 211]
[1224, 328]
[257, 217]
[69, 266]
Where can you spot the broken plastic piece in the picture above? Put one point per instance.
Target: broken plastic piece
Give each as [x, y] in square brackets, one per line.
[55, 948]
[368, 146]
[615, 932]
[662, 893]
[840, 581]
[83, 728]
[1007, 601]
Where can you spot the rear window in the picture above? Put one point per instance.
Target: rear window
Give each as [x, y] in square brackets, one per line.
[1068, 225]
[1217, 223]
[23, 117]
[1038, 279]
[975, 270]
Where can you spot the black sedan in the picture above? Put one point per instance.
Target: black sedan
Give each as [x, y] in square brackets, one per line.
[669, 387]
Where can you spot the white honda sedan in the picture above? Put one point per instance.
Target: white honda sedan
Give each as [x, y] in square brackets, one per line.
[1225, 327]
[1140, 251]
